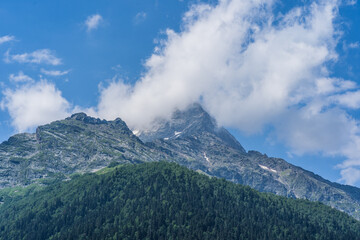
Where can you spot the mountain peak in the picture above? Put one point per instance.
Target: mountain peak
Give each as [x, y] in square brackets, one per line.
[192, 121]
[194, 117]
[193, 110]
[78, 116]
[86, 119]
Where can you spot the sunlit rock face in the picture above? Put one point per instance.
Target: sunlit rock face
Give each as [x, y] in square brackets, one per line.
[191, 137]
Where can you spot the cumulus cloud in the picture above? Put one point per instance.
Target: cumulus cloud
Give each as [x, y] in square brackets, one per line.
[20, 77]
[41, 56]
[54, 73]
[31, 105]
[6, 38]
[250, 68]
[233, 58]
[92, 22]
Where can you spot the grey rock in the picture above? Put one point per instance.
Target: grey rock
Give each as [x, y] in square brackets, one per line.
[191, 137]
[191, 122]
[74, 145]
[213, 151]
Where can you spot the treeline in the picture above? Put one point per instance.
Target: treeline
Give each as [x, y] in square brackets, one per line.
[166, 201]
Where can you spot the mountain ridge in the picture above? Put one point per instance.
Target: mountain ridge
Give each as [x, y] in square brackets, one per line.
[191, 138]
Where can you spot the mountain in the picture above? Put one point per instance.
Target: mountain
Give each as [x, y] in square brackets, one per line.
[166, 201]
[214, 151]
[191, 138]
[76, 144]
[194, 121]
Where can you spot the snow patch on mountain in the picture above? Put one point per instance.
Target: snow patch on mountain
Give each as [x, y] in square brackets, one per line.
[267, 169]
[207, 159]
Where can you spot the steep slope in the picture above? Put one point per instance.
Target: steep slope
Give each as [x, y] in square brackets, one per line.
[214, 151]
[166, 201]
[76, 144]
[190, 138]
[193, 121]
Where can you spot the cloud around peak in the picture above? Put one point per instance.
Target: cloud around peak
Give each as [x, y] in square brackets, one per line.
[233, 58]
[251, 69]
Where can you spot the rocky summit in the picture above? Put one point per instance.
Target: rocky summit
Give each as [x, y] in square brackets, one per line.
[191, 138]
[75, 145]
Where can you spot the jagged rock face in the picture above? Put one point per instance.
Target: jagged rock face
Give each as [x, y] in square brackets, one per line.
[192, 122]
[76, 144]
[191, 137]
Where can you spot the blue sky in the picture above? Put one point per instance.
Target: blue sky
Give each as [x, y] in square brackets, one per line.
[283, 76]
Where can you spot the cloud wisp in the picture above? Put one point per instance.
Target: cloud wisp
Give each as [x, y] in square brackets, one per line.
[54, 73]
[139, 18]
[41, 56]
[20, 77]
[6, 38]
[93, 22]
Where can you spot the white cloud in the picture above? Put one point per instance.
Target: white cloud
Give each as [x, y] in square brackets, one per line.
[93, 22]
[349, 99]
[31, 105]
[20, 77]
[309, 131]
[351, 46]
[353, 175]
[116, 92]
[234, 59]
[354, 45]
[250, 69]
[41, 56]
[140, 17]
[6, 38]
[351, 2]
[54, 73]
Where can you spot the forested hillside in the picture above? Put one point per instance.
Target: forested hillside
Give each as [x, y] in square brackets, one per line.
[166, 201]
